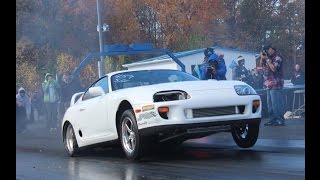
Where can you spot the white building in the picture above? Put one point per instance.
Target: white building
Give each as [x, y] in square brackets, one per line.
[193, 57]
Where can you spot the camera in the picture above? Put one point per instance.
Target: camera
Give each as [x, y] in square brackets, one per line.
[264, 53]
[210, 69]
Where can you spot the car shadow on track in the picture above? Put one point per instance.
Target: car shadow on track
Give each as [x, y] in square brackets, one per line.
[181, 152]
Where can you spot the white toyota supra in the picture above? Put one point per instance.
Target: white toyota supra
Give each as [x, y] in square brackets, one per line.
[137, 108]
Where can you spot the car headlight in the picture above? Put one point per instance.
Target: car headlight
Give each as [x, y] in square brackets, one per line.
[243, 90]
[170, 96]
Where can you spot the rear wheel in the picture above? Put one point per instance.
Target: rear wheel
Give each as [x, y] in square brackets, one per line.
[129, 135]
[246, 135]
[70, 142]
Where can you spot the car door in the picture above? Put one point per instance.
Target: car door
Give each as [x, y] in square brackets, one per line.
[93, 112]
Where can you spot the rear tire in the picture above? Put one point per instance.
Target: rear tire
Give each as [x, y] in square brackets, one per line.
[246, 135]
[131, 141]
[70, 141]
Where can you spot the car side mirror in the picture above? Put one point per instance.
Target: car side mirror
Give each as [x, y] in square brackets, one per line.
[96, 91]
[75, 98]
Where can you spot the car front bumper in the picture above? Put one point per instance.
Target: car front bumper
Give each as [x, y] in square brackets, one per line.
[195, 130]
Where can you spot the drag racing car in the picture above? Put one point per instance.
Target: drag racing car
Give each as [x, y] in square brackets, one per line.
[137, 108]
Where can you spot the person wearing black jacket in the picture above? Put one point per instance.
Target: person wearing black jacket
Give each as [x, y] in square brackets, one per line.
[241, 73]
[69, 86]
[298, 76]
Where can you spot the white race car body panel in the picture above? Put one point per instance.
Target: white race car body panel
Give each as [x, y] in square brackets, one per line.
[223, 94]
[90, 117]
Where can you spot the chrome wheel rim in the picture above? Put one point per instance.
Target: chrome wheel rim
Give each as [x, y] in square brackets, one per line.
[70, 139]
[128, 135]
[244, 131]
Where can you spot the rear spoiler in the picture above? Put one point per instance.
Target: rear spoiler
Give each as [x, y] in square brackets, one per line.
[75, 98]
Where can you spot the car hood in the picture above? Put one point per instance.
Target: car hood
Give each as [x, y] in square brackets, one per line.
[145, 93]
[195, 85]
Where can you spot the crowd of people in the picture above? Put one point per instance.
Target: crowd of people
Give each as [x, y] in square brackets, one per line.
[214, 67]
[269, 76]
[50, 101]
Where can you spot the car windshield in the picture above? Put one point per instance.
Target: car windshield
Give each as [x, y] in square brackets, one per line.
[148, 77]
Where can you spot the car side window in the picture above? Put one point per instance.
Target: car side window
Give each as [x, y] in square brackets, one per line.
[103, 82]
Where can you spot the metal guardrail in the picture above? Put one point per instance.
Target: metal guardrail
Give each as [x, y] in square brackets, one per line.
[287, 94]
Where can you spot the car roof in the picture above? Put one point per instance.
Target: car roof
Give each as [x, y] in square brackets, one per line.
[121, 71]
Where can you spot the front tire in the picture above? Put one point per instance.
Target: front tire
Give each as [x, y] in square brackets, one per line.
[131, 141]
[246, 135]
[70, 141]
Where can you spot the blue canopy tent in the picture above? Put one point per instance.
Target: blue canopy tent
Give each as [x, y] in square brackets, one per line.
[123, 49]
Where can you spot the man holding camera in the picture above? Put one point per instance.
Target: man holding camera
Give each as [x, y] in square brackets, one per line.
[214, 69]
[272, 61]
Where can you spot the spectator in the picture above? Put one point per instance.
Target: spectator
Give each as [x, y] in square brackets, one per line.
[257, 77]
[271, 60]
[69, 86]
[208, 52]
[50, 98]
[36, 104]
[42, 111]
[60, 103]
[214, 69]
[23, 108]
[204, 74]
[221, 57]
[298, 76]
[21, 117]
[241, 73]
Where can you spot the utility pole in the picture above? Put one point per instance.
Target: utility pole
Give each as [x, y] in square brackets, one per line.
[101, 66]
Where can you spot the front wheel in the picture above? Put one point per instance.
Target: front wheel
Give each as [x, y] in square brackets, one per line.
[246, 135]
[129, 135]
[70, 142]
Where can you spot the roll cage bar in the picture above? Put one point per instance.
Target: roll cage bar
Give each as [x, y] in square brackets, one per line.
[123, 49]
